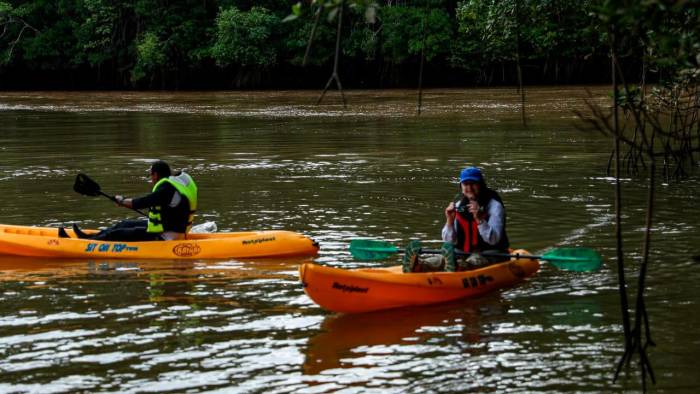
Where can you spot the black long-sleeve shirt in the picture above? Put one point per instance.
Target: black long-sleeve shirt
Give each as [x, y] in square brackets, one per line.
[161, 197]
[174, 212]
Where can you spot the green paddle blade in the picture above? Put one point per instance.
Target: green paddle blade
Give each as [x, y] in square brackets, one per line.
[367, 249]
[574, 259]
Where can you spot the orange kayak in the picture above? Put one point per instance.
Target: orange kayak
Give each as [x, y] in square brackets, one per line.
[44, 242]
[365, 290]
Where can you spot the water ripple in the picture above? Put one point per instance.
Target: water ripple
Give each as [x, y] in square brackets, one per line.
[267, 160]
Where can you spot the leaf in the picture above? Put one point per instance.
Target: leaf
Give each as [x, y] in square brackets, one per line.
[333, 13]
[296, 9]
[290, 18]
[5, 9]
[371, 14]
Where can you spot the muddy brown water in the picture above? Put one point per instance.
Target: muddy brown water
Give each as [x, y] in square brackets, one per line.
[273, 160]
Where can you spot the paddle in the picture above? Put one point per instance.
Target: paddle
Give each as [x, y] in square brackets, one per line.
[570, 259]
[87, 187]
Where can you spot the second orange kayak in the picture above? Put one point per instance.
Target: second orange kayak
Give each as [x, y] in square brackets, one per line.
[365, 290]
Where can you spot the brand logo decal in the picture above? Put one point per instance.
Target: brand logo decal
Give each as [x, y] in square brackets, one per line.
[186, 250]
[258, 240]
[106, 247]
[349, 288]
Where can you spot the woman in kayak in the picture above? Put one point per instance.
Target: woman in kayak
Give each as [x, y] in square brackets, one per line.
[171, 204]
[475, 223]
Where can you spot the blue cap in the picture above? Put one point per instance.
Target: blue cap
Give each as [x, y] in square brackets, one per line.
[471, 174]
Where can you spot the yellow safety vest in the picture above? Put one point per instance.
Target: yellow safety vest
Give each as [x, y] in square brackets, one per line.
[185, 185]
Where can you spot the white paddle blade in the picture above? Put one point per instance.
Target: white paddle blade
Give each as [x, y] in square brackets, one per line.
[206, 227]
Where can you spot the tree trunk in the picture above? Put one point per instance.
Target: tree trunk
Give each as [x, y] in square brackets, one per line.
[622, 283]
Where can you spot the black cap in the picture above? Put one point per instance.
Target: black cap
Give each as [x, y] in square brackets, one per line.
[161, 168]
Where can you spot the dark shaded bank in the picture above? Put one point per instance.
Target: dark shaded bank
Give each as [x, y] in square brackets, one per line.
[353, 75]
[225, 44]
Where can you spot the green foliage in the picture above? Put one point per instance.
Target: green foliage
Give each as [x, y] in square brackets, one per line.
[55, 46]
[561, 28]
[174, 38]
[5, 10]
[407, 30]
[487, 31]
[133, 42]
[150, 56]
[94, 33]
[245, 38]
[6, 17]
[363, 42]
[666, 35]
[296, 13]
[297, 38]
[542, 31]
[332, 7]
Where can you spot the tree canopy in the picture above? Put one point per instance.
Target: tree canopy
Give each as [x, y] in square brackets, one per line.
[217, 44]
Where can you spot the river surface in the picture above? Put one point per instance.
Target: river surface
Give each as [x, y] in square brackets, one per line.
[273, 160]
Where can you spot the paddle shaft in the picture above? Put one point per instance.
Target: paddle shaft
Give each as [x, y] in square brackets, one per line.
[437, 251]
[115, 200]
[570, 259]
[464, 254]
[516, 255]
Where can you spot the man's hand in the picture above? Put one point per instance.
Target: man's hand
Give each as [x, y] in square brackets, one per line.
[123, 202]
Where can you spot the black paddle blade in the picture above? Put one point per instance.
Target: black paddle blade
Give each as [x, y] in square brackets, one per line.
[86, 186]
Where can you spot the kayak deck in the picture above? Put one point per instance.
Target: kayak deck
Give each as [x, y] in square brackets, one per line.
[365, 290]
[44, 242]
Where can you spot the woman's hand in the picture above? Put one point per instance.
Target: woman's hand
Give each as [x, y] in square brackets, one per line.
[476, 210]
[450, 213]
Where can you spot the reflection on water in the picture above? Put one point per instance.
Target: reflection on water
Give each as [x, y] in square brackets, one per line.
[346, 337]
[143, 316]
[26, 268]
[271, 160]
[479, 343]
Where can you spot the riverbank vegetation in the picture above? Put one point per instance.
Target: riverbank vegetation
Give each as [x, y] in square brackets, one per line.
[652, 127]
[188, 44]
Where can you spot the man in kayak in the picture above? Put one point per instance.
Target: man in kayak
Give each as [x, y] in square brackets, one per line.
[475, 223]
[171, 207]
